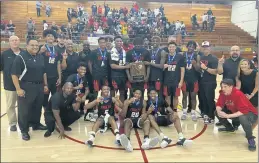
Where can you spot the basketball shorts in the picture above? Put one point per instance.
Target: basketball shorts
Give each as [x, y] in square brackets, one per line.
[163, 120]
[171, 90]
[190, 86]
[135, 122]
[119, 83]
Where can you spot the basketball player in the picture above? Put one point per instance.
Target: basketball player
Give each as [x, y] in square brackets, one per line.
[118, 66]
[156, 69]
[174, 69]
[52, 62]
[106, 111]
[190, 86]
[135, 114]
[238, 107]
[99, 65]
[138, 54]
[160, 114]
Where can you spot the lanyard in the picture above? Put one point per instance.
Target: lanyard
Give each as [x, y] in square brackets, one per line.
[136, 57]
[103, 54]
[120, 54]
[156, 105]
[153, 57]
[79, 80]
[189, 60]
[171, 58]
[52, 53]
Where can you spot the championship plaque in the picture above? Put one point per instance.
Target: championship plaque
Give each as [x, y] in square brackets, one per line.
[138, 71]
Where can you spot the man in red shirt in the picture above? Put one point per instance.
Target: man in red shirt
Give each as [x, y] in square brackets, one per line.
[233, 104]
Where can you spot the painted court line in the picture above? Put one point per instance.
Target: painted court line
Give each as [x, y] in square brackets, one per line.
[144, 156]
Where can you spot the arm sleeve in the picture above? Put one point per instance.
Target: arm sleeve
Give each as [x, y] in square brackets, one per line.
[220, 101]
[18, 66]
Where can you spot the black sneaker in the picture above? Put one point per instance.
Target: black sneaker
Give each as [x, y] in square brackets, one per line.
[226, 130]
[47, 134]
[184, 142]
[218, 124]
[165, 142]
[251, 145]
[26, 136]
[13, 128]
[67, 128]
[236, 127]
[39, 127]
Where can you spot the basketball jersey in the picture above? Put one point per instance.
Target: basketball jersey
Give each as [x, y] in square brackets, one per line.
[106, 107]
[134, 110]
[160, 106]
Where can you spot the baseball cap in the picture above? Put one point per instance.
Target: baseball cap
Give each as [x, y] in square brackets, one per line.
[226, 81]
[205, 43]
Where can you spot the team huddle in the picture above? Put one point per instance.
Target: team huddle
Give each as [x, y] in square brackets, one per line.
[96, 83]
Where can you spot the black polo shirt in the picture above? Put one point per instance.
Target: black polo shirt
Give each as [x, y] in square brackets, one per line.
[59, 102]
[7, 59]
[76, 80]
[34, 64]
[210, 61]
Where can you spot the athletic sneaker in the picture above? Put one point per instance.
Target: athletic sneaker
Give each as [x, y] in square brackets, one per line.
[90, 141]
[194, 117]
[184, 142]
[206, 119]
[126, 143]
[184, 116]
[251, 145]
[165, 142]
[88, 117]
[117, 137]
[150, 143]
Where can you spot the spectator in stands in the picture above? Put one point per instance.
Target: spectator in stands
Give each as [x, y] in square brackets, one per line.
[99, 30]
[204, 21]
[161, 9]
[209, 13]
[48, 9]
[106, 9]
[10, 28]
[194, 22]
[45, 25]
[69, 14]
[2, 28]
[212, 23]
[100, 10]
[94, 9]
[54, 27]
[30, 29]
[38, 6]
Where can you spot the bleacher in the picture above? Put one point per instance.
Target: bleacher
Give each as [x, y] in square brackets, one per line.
[226, 34]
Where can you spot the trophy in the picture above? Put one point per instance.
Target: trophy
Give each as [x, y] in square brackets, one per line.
[138, 71]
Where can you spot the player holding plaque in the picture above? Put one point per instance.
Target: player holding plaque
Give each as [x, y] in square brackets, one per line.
[174, 69]
[138, 74]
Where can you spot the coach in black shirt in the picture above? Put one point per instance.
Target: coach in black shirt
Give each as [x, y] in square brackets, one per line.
[208, 83]
[7, 59]
[30, 80]
[62, 109]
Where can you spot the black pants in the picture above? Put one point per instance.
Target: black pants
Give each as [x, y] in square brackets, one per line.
[52, 89]
[207, 96]
[235, 121]
[29, 107]
[38, 11]
[246, 120]
[67, 118]
[204, 25]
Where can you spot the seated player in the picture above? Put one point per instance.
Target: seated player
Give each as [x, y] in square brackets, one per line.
[62, 109]
[136, 117]
[106, 112]
[237, 107]
[160, 114]
[80, 84]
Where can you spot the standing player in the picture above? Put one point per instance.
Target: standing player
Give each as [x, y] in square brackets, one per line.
[160, 114]
[138, 54]
[136, 117]
[106, 112]
[173, 75]
[190, 86]
[118, 67]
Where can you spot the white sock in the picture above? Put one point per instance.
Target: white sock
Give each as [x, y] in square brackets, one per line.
[185, 110]
[193, 111]
[116, 131]
[180, 135]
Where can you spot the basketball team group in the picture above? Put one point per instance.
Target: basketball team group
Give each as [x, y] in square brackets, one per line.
[107, 86]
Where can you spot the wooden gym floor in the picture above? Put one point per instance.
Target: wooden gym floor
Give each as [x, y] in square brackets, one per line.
[209, 145]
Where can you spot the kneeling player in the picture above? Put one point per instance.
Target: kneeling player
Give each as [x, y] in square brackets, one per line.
[136, 117]
[160, 114]
[105, 105]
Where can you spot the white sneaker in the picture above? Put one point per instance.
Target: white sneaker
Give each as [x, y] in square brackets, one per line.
[118, 139]
[194, 117]
[145, 144]
[184, 142]
[165, 142]
[90, 141]
[126, 143]
[150, 143]
[94, 117]
[88, 117]
[184, 116]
